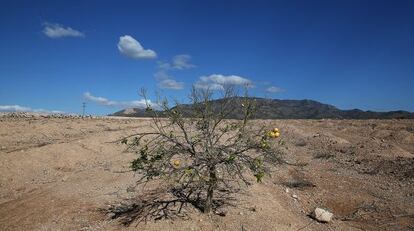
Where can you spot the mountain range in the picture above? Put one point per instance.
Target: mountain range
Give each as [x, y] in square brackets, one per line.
[283, 109]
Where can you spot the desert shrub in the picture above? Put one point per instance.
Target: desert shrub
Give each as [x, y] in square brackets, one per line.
[199, 150]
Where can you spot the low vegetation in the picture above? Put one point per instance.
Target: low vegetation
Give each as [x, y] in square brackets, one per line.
[201, 157]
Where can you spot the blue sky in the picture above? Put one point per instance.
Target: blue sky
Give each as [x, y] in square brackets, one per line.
[351, 54]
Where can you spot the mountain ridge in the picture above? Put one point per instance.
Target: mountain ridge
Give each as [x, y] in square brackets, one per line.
[284, 109]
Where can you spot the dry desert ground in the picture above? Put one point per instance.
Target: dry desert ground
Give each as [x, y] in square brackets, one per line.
[62, 173]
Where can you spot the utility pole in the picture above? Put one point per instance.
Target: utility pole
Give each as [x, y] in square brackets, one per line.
[83, 109]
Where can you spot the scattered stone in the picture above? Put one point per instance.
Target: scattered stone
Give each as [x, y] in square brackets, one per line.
[295, 196]
[287, 190]
[35, 115]
[110, 215]
[220, 213]
[253, 209]
[322, 215]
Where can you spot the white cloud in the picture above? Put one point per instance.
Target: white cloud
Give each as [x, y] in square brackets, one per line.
[165, 80]
[171, 84]
[112, 103]
[14, 108]
[274, 89]
[164, 66]
[208, 86]
[54, 30]
[18, 108]
[99, 100]
[182, 62]
[218, 82]
[162, 75]
[131, 48]
[135, 103]
[178, 62]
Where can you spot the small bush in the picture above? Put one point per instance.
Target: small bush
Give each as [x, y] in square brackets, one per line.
[203, 153]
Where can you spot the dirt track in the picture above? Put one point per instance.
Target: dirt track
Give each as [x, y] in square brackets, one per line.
[58, 173]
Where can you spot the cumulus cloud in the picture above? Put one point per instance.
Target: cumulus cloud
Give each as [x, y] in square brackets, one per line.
[131, 48]
[218, 82]
[171, 84]
[99, 100]
[54, 31]
[208, 86]
[178, 62]
[162, 75]
[165, 80]
[112, 103]
[18, 108]
[182, 62]
[273, 89]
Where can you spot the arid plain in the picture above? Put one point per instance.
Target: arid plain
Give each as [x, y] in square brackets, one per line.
[61, 174]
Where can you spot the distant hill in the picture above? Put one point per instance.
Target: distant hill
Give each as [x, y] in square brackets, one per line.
[284, 109]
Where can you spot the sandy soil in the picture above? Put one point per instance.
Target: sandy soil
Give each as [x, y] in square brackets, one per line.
[58, 174]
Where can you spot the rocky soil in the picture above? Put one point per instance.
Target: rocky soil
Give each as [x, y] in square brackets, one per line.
[62, 172]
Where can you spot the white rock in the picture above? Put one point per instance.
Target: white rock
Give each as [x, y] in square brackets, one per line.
[110, 215]
[322, 215]
[295, 196]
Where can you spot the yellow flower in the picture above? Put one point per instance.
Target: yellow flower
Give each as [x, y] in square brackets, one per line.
[274, 133]
[176, 163]
[271, 134]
